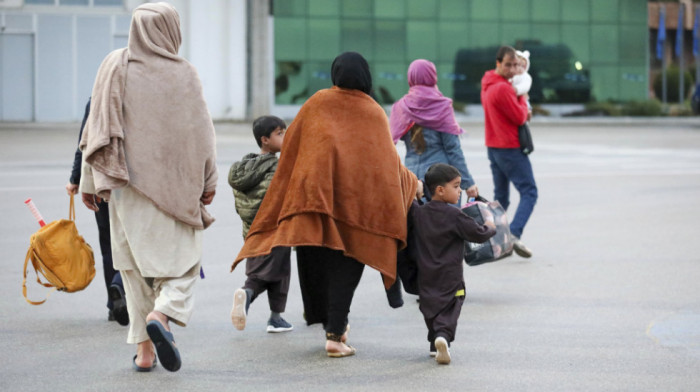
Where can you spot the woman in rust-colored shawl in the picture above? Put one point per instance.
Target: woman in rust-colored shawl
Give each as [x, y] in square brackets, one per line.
[340, 195]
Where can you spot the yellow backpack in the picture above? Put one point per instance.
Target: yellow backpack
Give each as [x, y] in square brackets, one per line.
[61, 255]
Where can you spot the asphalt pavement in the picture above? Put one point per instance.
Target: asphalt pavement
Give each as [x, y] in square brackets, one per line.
[609, 302]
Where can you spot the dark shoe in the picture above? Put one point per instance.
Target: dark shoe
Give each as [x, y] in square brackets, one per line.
[144, 369]
[165, 346]
[394, 295]
[110, 316]
[119, 311]
[280, 325]
[520, 248]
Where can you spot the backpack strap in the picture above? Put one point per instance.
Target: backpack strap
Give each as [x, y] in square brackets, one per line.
[24, 281]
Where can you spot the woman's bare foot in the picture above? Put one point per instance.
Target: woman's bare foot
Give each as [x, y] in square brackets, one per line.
[338, 349]
[145, 354]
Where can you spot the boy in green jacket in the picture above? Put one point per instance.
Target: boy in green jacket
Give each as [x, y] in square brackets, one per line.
[250, 179]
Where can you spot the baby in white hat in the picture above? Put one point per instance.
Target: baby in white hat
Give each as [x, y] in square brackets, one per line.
[522, 81]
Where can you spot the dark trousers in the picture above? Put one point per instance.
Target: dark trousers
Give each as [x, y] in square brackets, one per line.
[328, 280]
[110, 274]
[270, 272]
[445, 323]
[511, 165]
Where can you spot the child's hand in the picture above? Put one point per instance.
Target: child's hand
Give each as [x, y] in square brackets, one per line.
[490, 224]
[419, 190]
[207, 197]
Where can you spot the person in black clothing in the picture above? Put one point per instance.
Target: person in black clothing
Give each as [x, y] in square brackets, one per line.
[116, 300]
[437, 234]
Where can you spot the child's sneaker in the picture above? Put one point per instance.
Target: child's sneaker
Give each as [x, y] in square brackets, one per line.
[279, 325]
[238, 312]
[433, 350]
[443, 351]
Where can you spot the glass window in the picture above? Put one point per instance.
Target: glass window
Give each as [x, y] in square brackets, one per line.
[605, 80]
[40, 2]
[421, 40]
[578, 38]
[633, 49]
[513, 33]
[292, 44]
[289, 7]
[390, 40]
[319, 76]
[446, 77]
[324, 38]
[361, 8]
[291, 82]
[546, 32]
[633, 11]
[421, 9]
[113, 3]
[483, 34]
[324, 7]
[604, 43]
[607, 10]
[633, 83]
[453, 9]
[484, 10]
[73, 2]
[357, 35]
[577, 11]
[452, 36]
[389, 81]
[546, 10]
[390, 9]
[515, 10]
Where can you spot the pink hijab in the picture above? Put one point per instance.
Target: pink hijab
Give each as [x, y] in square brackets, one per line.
[423, 105]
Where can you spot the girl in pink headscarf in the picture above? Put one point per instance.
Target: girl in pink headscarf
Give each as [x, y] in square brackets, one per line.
[425, 121]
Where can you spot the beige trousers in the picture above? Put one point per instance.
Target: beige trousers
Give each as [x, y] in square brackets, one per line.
[171, 296]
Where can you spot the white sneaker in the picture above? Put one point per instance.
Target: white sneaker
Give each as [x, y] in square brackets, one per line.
[238, 313]
[521, 249]
[443, 351]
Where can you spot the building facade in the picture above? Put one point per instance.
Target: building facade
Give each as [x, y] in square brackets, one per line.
[261, 56]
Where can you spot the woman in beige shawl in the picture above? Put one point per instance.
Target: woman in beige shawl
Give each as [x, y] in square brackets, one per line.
[149, 148]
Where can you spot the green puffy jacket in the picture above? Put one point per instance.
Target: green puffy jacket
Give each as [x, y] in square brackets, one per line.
[250, 179]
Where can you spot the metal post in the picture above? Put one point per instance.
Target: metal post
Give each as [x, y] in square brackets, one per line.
[681, 66]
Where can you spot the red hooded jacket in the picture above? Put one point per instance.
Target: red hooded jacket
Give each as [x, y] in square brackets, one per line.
[503, 111]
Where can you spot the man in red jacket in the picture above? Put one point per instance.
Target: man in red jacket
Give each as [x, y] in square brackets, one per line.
[504, 111]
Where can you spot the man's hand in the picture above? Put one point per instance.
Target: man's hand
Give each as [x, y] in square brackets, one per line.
[91, 201]
[72, 189]
[207, 197]
[473, 191]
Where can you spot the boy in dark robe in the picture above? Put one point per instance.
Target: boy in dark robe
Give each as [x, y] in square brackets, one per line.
[439, 231]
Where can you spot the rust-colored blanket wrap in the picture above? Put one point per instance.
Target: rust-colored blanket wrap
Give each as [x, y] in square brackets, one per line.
[339, 184]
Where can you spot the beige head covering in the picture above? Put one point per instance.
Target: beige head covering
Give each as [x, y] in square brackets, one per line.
[149, 126]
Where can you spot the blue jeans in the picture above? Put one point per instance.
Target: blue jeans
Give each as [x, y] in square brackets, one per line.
[511, 165]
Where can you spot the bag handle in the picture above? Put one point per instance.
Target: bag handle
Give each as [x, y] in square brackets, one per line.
[24, 281]
[71, 209]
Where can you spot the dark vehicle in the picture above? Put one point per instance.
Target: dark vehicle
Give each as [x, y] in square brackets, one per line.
[557, 77]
